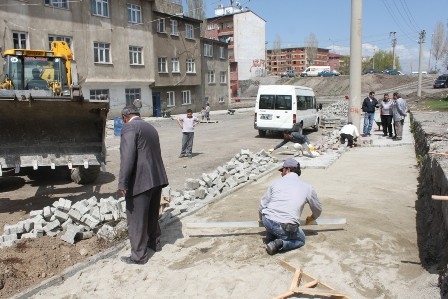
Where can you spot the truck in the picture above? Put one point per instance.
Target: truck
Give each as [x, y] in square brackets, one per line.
[314, 70]
[285, 108]
[46, 123]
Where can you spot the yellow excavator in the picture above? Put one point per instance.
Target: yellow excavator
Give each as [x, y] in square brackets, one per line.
[45, 122]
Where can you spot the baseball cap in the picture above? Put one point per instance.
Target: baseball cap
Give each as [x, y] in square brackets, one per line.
[290, 163]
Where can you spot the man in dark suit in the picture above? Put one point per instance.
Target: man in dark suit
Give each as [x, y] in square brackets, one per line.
[142, 177]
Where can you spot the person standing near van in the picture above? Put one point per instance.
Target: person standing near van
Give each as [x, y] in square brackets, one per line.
[368, 107]
[187, 123]
[386, 115]
[207, 111]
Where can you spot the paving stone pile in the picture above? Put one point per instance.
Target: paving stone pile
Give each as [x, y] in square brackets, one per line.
[105, 217]
[336, 110]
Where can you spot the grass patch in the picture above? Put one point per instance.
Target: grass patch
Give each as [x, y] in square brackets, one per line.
[439, 104]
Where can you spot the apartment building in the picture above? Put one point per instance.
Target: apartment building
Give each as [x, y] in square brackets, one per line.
[215, 73]
[110, 40]
[245, 34]
[294, 59]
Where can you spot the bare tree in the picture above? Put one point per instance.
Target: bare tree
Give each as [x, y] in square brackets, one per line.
[277, 49]
[196, 10]
[439, 43]
[311, 48]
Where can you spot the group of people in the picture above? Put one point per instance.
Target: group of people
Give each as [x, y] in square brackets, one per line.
[142, 177]
[392, 114]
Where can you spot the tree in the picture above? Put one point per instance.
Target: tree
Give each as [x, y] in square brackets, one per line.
[196, 10]
[277, 49]
[344, 65]
[383, 60]
[439, 43]
[311, 48]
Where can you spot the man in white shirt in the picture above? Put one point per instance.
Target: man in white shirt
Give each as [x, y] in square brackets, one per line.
[349, 132]
[187, 123]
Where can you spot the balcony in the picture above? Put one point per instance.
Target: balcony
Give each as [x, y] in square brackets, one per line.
[225, 31]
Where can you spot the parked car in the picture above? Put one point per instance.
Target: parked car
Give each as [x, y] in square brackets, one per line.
[392, 72]
[289, 74]
[441, 81]
[327, 73]
[370, 71]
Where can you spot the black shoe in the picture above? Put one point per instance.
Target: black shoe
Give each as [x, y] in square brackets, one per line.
[396, 139]
[274, 246]
[384, 135]
[129, 261]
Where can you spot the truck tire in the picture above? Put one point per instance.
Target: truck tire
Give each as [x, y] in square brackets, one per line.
[316, 127]
[261, 133]
[82, 176]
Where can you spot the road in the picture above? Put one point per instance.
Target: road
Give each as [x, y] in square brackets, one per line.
[214, 144]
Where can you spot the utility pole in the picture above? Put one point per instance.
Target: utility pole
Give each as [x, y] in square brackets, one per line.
[421, 40]
[373, 66]
[394, 43]
[354, 104]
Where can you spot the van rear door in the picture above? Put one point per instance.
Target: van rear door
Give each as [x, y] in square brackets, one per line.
[275, 112]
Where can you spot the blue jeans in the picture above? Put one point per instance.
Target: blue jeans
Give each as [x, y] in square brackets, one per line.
[368, 121]
[291, 240]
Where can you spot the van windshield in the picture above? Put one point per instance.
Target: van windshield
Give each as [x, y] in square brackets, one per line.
[275, 102]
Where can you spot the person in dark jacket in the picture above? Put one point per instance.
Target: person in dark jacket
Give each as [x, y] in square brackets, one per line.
[295, 137]
[368, 107]
[141, 179]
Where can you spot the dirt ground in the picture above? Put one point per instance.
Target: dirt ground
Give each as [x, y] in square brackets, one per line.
[30, 262]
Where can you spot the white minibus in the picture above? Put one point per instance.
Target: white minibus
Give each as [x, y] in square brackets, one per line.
[285, 107]
[314, 70]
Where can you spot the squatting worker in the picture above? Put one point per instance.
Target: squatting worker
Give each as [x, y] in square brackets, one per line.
[349, 132]
[142, 177]
[281, 206]
[295, 137]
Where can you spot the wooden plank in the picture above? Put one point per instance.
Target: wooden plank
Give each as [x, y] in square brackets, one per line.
[439, 197]
[317, 292]
[434, 153]
[311, 284]
[296, 279]
[285, 295]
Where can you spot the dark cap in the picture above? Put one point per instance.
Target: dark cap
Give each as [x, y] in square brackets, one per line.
[290, 163]
[130, 109]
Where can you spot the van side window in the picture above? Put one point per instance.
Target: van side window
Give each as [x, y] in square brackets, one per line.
[283, 102]
[267, 101]
[309, 102]
[301, 103]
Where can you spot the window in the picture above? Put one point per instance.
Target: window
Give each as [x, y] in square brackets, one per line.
[221, 53]
[19, 40]
[161, 25]
[135, 55]
[100, 8]
[175, 65]
[57, 3]
[174, 28]
[189, 31]
[210, 26]
[186, 97]
[99, 94]
[134, 13]
[170, 98]
[191, 67]
[162, 65]
[211, 77]
[101, 52]
[52, 38]
[223, 77]
[277, 102]
[132, 94]
[208, 50]
[305, 102]
[221, 100]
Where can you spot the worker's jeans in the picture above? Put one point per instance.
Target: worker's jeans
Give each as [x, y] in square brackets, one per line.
[368, 122]
[291, 240]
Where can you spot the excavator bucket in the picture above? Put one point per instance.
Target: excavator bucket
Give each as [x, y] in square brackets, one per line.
[41, 132]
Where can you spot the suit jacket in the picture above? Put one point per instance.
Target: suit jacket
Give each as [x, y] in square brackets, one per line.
[141, 164]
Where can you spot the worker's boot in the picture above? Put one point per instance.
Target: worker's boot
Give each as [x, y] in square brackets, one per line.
[274, 246]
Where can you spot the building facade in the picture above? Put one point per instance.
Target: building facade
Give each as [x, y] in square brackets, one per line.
[245, 34]
[294, 59]
[215, 74]
[125, 50]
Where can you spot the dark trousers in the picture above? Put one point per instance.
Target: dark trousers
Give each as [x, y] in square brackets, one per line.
[386, 122]
[349, 139]
[187, 143]
[142, 212]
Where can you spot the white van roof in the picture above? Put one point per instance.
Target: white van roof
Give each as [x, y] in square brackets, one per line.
[282, 87]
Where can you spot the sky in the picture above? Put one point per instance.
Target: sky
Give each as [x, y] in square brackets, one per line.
[329, 20]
